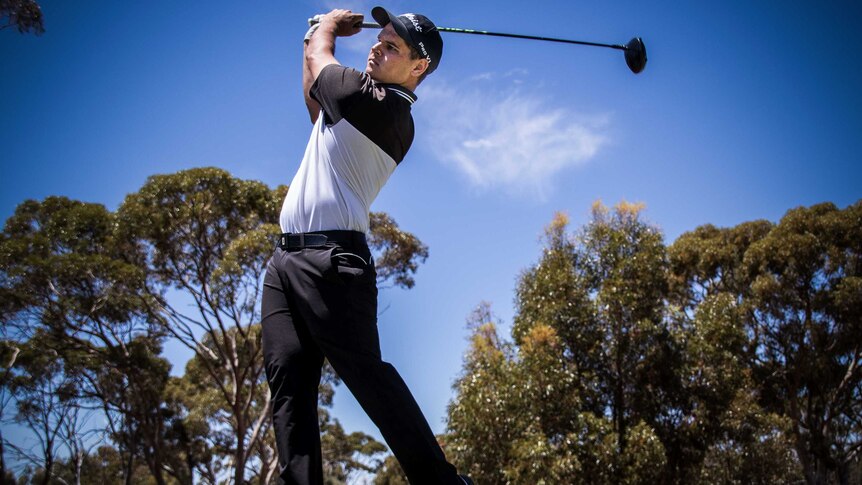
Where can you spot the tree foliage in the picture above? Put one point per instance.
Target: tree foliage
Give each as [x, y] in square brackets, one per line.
[399, 253]
[730, 356]
[206, 235]
[72, 290]
[100, 292]
[23, 15]
[562, 403]
[806, 301]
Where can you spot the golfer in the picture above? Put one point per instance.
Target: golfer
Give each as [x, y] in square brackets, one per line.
[320, 287]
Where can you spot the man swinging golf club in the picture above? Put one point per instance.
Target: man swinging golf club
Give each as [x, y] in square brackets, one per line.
[320, 289]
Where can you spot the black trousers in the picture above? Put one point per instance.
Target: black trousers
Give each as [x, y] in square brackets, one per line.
[322, 302]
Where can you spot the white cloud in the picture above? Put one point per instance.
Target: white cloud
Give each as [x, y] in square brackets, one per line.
[485, 76]
[509, 139]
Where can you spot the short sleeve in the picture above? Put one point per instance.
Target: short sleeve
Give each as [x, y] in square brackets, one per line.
[336, 87]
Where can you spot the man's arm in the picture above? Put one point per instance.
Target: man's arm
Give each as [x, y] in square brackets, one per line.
[319, 50]
[307, 80]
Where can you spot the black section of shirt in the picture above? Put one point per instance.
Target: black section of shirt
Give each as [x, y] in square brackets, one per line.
[378, 112]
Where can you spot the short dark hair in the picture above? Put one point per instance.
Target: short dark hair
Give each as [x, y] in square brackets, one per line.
[414, 54]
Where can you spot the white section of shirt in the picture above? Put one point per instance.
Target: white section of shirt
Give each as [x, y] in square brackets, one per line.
[341, 174]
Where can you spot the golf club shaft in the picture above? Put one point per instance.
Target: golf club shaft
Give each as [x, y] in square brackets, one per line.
[372, 25]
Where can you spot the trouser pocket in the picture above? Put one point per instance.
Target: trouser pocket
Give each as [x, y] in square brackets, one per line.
[350, 266]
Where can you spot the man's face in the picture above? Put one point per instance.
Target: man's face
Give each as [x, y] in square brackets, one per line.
[389, 60]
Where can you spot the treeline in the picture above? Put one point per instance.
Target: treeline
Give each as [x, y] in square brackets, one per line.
[731, 356]
[88, 299]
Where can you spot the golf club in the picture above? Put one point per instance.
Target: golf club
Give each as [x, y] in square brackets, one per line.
[635, 51]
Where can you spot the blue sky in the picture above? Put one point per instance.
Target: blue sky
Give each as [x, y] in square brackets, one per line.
[744, 110]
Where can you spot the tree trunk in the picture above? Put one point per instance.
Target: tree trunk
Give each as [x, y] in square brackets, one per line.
[239, 455]
[619, 403]
[79, 464]
[2, 460]
[844, 473]
[127, 473]
[619, 391]
[152, 456]
[239, 470]
[156, 470]
[49, 464]
[271, 467]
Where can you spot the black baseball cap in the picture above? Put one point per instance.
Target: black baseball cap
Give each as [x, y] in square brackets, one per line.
[417, 31]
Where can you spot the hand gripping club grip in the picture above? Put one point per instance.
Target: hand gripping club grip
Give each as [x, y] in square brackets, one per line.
[365, 25]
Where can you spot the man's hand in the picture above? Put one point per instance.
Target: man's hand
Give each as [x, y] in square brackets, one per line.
[345, 22]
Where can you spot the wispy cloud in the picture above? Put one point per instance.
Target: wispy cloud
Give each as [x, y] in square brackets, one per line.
[485, 76]
[507, 138]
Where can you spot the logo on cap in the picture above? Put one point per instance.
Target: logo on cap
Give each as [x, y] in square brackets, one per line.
[424, 51]
[414, 21]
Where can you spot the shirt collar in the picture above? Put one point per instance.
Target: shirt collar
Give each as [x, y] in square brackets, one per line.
[402, 91]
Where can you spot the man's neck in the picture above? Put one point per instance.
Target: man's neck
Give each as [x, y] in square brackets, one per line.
[412, 87]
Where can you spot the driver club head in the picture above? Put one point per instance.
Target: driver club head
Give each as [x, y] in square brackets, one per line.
[636, 55]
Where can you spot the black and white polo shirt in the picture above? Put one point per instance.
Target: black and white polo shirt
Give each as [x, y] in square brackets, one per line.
[364, 131]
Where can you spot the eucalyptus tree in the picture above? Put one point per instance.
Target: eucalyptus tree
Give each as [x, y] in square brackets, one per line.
[206, 237]
[794, 289]
[72, 290]
[807, 312]
[180, 259]
[558, 404]
[632, 362]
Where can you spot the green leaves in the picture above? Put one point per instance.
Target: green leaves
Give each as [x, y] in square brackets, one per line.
[62, 262]
[188, 220]
[343, 453]
[24, 15]
[732, 356]
[182, 259]
[398, 253]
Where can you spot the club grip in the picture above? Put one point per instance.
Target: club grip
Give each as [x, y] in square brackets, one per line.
[365, 25]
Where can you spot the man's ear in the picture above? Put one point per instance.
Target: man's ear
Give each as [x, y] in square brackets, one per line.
[419, 68]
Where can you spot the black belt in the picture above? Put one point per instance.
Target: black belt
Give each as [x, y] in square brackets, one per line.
[288, 241]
